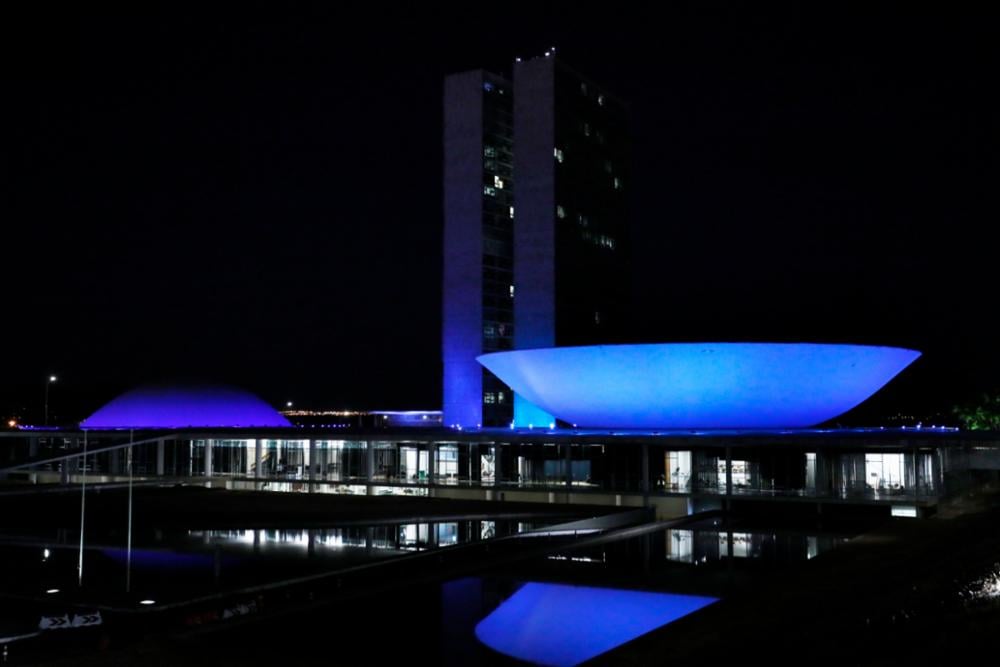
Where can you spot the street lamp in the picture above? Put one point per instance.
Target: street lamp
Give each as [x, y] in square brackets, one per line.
[52, 378]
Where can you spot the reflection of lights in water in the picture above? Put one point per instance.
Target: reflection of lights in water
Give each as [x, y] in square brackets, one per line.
[558, 533]
[241, 536]
[812, 547]
[577, 559]
[335, 541]
[251, 537]
[694, 547]
[411, 534]
[409, 537]
[742, 545]
[487, 530]
[231, 536]
[679, 546]
[342, 539]
[327, 539]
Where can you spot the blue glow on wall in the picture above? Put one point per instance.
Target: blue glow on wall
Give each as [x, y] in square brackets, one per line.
[463, 385]
[699, 385]
[185, 407]
[554, 624]
[527, 414]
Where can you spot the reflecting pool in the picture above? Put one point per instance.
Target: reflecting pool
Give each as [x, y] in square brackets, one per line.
[169, 565]
[555, 624]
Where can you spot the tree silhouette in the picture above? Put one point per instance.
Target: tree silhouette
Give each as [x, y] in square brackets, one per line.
[983, 415]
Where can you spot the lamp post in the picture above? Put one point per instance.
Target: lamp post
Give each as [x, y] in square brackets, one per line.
[49, 381]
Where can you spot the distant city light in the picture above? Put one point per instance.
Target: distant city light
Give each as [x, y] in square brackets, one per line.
[52, 378]
[12, 423]
[52, 591]
[147, 602]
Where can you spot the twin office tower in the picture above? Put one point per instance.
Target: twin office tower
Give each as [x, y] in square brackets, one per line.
[535, 178]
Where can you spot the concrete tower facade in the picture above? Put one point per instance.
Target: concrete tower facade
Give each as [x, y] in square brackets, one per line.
[535, 227]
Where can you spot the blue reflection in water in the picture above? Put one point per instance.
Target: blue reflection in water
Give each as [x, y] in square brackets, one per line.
[554, 624]
[163, 559]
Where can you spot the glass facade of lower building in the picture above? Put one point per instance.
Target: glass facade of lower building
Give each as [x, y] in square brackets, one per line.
[887, 469]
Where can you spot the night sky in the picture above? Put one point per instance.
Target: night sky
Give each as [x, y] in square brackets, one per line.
[254, 196]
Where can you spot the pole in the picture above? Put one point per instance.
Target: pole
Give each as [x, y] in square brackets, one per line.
[128, 548]
[83, 505]
[48, 381]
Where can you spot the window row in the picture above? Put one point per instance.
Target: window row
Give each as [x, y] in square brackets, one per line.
[608, 165]
[491, 87]
[492, 397]
[600, 240]
[493, 167]
[588, 131]
[498, 206]
[499, 261]
[493, 329]
[502, 152]
[497, 276]
[501, 301]
[595, 95]
[497, 287]
[493, 314]
[496, 248]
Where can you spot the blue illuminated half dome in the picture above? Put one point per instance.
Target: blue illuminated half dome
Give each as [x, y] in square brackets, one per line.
[699, 385]
[185, 407]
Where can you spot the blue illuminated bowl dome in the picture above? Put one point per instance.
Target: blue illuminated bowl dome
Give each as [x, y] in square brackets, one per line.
[185, 407]
[699, 385]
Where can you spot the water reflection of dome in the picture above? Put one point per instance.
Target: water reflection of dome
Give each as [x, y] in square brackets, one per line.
[184, 407]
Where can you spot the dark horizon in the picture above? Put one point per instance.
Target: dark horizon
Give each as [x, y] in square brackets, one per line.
[255, 199]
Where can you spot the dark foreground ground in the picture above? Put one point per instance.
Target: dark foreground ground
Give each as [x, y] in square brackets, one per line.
[194, 507]
[898, 594]
[408, 586]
